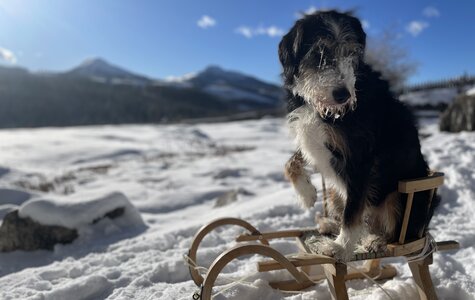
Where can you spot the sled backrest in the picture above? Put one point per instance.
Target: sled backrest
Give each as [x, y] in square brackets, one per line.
[412, 186]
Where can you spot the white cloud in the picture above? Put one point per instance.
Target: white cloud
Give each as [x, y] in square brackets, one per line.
[416, 27]
[249, 32]
[272, 31]
[7, 55]
[431, 12]
[206, 22]
[365, 24]
[308, 11]
[245, 31]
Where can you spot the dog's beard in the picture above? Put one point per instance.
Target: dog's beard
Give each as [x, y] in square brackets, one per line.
[316, 86]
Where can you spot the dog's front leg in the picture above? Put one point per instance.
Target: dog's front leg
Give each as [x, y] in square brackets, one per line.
[300, 179]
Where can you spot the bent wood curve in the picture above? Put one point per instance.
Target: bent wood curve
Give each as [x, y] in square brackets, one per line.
[248, 249]
[199, 236]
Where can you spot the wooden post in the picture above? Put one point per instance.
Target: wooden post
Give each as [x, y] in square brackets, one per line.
[335, 274]
[405, 220]
[420, 272]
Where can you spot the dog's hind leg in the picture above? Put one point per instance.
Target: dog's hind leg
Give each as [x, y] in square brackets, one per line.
[381, 224]
[300, 179]
[352, 222]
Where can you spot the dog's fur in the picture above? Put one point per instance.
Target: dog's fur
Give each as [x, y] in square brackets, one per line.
[348, 126]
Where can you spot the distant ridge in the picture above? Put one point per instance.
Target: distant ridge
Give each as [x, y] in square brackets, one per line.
[98, 92]
[459, 81]
[100, 70]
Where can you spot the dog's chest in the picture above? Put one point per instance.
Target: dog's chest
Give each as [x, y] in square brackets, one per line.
[312, 137]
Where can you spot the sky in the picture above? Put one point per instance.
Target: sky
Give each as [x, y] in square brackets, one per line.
[165, 38]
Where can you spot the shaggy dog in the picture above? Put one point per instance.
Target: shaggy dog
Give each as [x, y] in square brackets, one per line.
[348, 126]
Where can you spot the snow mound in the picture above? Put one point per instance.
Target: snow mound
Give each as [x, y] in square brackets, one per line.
[78, 211]
[10, 199]
[471, 91]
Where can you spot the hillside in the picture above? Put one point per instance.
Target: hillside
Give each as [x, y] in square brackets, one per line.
[97, 92]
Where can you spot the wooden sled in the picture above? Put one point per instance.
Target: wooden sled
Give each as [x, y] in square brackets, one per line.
[336, 273]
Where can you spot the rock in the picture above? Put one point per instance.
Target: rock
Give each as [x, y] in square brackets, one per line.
[225, 173]
[25, 234]
[460, 115]
[231, 196]
[17, 233]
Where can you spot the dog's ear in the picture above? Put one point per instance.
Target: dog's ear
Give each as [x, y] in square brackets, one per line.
[361, 33]
[356, 24]
[289, 48]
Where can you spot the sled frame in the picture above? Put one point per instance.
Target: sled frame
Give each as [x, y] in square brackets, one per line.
[336, 273]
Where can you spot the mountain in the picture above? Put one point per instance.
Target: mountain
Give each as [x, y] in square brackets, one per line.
[246, 91]
[100, 70]
[97, 92]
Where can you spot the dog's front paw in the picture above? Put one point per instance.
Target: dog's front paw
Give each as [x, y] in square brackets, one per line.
[374, 243]
[306, 192]
[326, 246]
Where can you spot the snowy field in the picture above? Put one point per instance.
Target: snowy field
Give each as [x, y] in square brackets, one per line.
[180, 177]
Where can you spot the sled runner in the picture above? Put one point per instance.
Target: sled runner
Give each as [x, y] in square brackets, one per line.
[418, 253]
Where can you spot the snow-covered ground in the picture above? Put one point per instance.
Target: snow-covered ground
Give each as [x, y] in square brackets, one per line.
[180, 177]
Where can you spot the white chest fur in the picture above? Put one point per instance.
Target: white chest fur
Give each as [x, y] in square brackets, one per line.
[311, 138]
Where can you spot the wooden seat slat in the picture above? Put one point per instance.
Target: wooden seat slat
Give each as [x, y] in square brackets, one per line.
[421, 184]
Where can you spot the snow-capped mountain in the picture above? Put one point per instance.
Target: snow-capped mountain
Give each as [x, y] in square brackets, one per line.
[231, 85]
[245, 91]
[100, 70]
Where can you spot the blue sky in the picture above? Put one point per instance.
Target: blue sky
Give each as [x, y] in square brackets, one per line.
[173, 37]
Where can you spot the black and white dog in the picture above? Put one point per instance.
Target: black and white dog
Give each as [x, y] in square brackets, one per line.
[348, 126]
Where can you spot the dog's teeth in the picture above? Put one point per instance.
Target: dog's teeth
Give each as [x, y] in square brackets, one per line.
[337, 116]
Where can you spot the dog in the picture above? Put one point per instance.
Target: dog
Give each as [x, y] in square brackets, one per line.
[348, 126]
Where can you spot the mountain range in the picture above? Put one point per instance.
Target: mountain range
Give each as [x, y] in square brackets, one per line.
[98, 92]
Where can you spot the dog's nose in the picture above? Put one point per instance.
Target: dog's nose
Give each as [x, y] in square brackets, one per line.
[341, 95]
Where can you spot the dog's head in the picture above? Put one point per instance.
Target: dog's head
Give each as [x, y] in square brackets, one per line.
[320, 56]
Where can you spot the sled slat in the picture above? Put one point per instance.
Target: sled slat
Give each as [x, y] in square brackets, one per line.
[421, 184]
[407, 248]
[447, 245]
[268, 235]
[271, 265]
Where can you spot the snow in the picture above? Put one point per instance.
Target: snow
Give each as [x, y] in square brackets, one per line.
[77, 211]
[174, 175]
[181, 79]
[471, 91]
